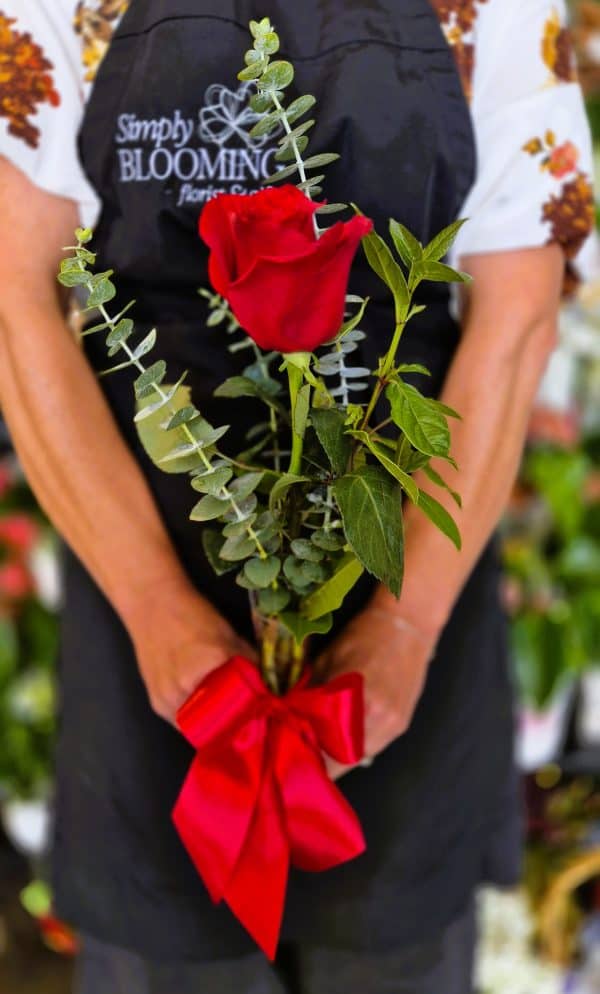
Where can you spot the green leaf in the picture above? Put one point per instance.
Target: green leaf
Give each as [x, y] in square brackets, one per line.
[440, 481]
[440, 517]
[288, 149]
[354, 321]
[412, 367]
[237, 547]
[212, 543]
[370, 504]
[405, 481]
[253, 71]
[84, 235]
[262, 572]
[407, 246]
[330, 541]
[301, 627]
[266, 124]
[149, 379]
[385, 266]
[209, 508]
[181, 417]
[273, 601]
[277, 76]
[213, 482]
[329, 424]
[243, 386]
[281, 174]
[282, 486]
[156, 441]
[299, 107]
[71, 277]
[244, 485]
[330, 596]
[425, 426]
[119, 334]
[301, 573]
[331, 208]
[146, 345]
[260, 103]
[102, 292]
[303, 548]
[325, 159]
[439, 246]
[437, 272]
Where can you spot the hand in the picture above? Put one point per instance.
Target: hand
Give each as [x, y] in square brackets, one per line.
[393, 656]
[178, 644]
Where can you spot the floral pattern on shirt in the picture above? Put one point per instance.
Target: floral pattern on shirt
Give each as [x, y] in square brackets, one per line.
[557, 50]
[569, 211]
[458, 19]
[96, 21]
[25, 81]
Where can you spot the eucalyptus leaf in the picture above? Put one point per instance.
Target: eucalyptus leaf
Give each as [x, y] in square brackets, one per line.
[304, 549]
[324, 159]
[266, 124]
[370, 504]
[284, 173]
[244, 485]
[102, 292]
[331, 595]
[299, 106]
[118, 335]
[146, 345]
[330, 541]
[151, 378]
[183, 416]
[273, 601]
[212, 543]
[213, 482]
[277, 76]
[208, 508]
[262, 572]
[236, 547]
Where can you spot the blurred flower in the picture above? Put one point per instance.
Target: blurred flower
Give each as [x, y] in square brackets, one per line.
[18, 531]
[550, 425]
[16, 581]
[5, 479]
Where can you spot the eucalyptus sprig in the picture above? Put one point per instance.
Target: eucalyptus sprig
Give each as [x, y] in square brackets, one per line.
[272, 79]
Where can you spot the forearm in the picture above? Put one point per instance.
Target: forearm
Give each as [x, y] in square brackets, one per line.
[76, 461]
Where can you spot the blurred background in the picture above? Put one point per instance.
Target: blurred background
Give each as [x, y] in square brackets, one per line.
[543, 938]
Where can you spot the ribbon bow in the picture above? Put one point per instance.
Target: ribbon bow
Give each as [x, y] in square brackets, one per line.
[257, 797]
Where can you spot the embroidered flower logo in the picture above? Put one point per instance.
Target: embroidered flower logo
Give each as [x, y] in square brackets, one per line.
[25, 81]
[226, 114]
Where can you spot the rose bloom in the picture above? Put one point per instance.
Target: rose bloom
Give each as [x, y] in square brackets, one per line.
[563, 160]
[285, 286]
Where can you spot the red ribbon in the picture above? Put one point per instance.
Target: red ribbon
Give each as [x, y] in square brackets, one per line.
[257, 797]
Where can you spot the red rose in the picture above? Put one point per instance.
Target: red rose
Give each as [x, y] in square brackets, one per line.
[286, 287]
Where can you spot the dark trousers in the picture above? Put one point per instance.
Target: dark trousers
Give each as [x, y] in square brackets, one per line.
[444, 966]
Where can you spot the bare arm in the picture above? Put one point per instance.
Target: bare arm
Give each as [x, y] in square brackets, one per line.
[509, 331]
[77, 463]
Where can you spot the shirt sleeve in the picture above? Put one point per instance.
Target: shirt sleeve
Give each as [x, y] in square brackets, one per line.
[42, 98]
[534, 178]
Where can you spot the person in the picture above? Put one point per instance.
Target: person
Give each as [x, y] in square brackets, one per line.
[129, 117]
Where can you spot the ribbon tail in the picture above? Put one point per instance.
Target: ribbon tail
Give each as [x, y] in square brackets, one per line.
[322, 828]
[256, 890]
[214, 810]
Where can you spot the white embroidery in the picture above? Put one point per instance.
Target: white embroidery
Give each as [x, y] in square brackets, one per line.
[227, 113]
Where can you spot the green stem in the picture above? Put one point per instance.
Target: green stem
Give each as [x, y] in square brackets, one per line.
[385, 370]
[295, 379]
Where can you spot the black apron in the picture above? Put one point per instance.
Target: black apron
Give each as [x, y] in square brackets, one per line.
[167, 127]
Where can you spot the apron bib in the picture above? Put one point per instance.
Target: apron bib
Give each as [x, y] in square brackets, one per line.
[167, 126]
